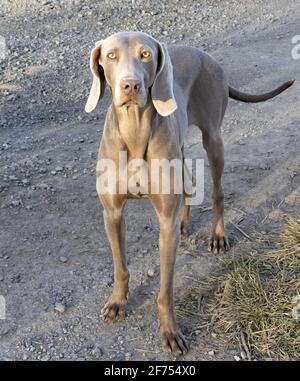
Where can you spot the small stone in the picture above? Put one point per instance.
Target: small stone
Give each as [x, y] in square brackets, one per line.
[97, 352]
[4, 331]
[63, 259]
[243, 355]
[237, 358]
[16, 203]
[27, 342]
[294, 174]
[150, 273]
[211, 353]
[44, 186]
[214, 335]
[59, 307]
[242, 142]
[263, 166]
[45, 358]
[59, 169]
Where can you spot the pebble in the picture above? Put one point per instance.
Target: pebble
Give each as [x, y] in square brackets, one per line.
[45, 358]
[16, 203]
[27, 342]
[243, 355]
[43, 186]
[294, 174]
[97, 352]
[150, 273]
[237, 358]
[211, 353]
[63, 259]
[264, 166]
[59, 307]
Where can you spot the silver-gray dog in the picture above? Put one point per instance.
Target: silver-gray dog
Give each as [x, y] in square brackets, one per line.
[157, 93]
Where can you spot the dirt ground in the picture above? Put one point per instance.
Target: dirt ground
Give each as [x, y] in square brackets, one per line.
[55, 263]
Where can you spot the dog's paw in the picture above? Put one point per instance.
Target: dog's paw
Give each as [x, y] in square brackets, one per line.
[174, 343]
[113, 312]
[218, 244]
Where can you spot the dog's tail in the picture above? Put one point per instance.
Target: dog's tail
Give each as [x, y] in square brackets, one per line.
[244, 97]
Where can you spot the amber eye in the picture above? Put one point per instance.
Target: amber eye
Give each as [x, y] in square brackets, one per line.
[111, 55]
[145, 54]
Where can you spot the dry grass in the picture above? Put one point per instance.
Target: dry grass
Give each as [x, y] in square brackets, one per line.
[255, 299]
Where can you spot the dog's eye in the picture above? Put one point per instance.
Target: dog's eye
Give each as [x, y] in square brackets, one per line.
[112, 55]
[145, 54]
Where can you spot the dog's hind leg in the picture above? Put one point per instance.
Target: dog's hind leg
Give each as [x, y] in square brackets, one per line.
[213, 144]
[184, 211]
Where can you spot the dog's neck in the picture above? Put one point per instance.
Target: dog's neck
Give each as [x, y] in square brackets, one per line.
[135, 127]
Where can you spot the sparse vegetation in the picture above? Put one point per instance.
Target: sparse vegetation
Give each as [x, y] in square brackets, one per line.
[255, 298]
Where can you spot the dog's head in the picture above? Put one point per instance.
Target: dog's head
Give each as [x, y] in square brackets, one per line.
[136, 67]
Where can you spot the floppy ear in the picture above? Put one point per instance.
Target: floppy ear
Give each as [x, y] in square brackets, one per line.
[98, 85]
[162, 88]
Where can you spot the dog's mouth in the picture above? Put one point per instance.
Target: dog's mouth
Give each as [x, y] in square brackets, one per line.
[129, 103]
[133, 100]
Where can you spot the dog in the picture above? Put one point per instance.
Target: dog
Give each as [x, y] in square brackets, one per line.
[158, 91]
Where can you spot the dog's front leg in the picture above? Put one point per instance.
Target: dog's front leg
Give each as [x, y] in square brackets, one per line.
[114, 309]
[172, 339]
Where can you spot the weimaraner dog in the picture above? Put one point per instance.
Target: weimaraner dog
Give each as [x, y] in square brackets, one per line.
[157, 93]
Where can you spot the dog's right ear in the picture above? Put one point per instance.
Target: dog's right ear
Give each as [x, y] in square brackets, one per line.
[98, 85]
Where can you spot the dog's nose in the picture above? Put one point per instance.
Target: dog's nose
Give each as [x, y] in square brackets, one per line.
[130, 86]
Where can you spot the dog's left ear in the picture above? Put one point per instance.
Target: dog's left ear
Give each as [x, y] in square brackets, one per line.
[98, 85]
[162, 88]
